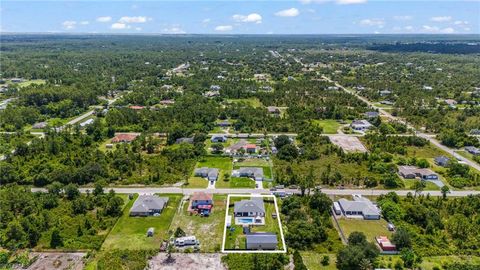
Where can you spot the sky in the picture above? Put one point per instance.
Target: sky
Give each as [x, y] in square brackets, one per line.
[241, 17]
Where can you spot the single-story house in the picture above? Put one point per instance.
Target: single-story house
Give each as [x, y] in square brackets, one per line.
[167, 102]
[87, 122]
[39, 125]
[218, 138]
[359, 207]
[385, 92]
[224, 123]
[372, 114]
[273, 110]
[148, 205]
[360, 125]
[249, 208]
[475, 131]
[450, 102]
[472, 150]
[385, 244]
[184, 140]
[201, 202]
[124, 137]
[215, 87]
[412, 172]
[261, 241]
[210, 173]
[442, 161]
[386, 102]
[237, 146]
[250, 148]
[251, 172]
[135, 107]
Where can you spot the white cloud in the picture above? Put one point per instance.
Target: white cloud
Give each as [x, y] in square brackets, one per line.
[120, 26]
[253, 17]
[104, 19]
[175, 29]
[84, 22]
[223, 28]
[436, 29]
[207, 20]
[460, 22]
[341, 2]
[138, 28]
[291, 12]
[138, 19]
[69, 25]
[441, 19]
[402, 17]
[373, 22]
[349, 2]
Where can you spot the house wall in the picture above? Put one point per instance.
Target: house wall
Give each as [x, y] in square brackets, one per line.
[263, 246]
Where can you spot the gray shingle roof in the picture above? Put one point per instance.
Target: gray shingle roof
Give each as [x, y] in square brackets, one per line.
[262, 238]
[253, 205]
[146, 203]
[359, 205]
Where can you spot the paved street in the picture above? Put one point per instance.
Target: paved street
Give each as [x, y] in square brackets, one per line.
[189, 191]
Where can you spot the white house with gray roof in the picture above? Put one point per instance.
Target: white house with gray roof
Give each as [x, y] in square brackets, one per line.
[210, 173]
[360, 207]
[252, 172]
[148, 205]
[249, 208]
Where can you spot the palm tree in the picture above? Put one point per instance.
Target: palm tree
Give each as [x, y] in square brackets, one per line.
[365, 264]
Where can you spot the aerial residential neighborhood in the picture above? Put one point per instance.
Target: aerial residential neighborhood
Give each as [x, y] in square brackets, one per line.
[240, 135]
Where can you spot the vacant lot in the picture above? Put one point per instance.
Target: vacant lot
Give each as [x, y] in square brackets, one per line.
[329, 126]
[236, 182]
[313, 260]
[208, 230]
[57, 260]
[371, 228]
[131, 232]
[182, 261]
[348, 143]
[254, 102]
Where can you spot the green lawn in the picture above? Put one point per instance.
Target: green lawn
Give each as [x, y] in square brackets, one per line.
[313, 260]
[236, 182]
[329, 126]
[130, 232]
[410, 182]
[196, 182]
[371, 228]
[208, 230]
[254, 102]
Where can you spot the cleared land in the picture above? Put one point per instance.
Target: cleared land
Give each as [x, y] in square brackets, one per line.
[313, 260]
[348, 143]
[182, 261]
[371, 228]
[208, 230]
[131, 232]
[254, 102]
[329, 126]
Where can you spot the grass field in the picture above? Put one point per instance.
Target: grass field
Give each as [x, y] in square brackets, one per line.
[222, 163]
[371, 228]
[130, 232]
[410, 182]
[254, 102]
[313, 260]
[236, 182]
[197, 182]
[208, 230]
[428, 263]
[329, 126]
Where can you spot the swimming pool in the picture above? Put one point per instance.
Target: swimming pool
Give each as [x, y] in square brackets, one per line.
[246, 220]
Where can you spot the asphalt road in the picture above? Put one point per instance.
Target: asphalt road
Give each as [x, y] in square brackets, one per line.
[189, 191]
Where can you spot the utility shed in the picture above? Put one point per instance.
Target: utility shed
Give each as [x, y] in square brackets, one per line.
[262, 241]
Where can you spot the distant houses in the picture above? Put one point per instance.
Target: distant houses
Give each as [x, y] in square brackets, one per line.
[442, 161]
[124, 137]
[360, 125]
[385, 93]
[412, 172]
[360, 207]
[218, 138]
[148, 205]
[255, 173]
[372, 114]
[272, 110]
[188, 140]
[40, 125]
[472, 150]
[210, 173]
